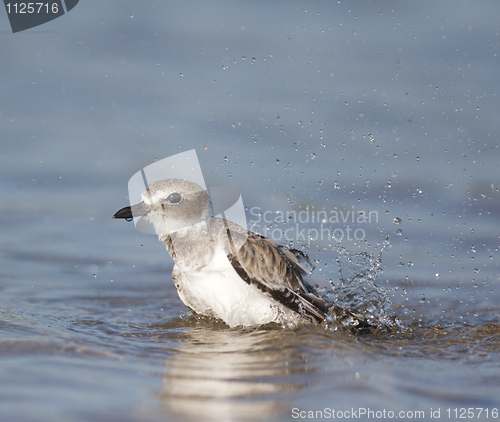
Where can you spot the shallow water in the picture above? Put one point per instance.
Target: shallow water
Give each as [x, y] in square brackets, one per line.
[341, 107]
[81, 348]
[127, 355]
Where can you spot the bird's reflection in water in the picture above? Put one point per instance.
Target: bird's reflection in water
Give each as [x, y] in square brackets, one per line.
[225, 374]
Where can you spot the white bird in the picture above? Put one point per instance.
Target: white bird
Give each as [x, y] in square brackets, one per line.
[225, 271]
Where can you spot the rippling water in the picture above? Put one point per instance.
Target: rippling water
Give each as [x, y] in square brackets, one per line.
[373, 107]
[93, 351]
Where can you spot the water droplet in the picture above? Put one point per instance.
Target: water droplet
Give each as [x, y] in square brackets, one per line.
[396, 220]
[476, 270]
[399, 232]
[418, 158]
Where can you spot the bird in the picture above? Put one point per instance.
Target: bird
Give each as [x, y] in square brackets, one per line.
[225, 271]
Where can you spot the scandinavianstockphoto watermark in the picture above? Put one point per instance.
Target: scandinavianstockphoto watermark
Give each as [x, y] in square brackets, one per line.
[362, 413]
[28, 14]
[334, 225]
[307, 225]
[367, 413]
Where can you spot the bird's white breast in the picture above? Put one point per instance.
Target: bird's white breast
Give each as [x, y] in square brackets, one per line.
[217, 290]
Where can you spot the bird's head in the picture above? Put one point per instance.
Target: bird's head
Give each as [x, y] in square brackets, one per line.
[170, 205]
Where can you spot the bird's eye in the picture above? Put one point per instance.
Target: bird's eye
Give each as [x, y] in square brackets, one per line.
[174, 198]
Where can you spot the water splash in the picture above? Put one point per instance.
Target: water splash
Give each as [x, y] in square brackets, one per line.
[356, 289]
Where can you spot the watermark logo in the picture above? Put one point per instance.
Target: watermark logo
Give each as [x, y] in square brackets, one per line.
[26, 15]
[313, 226]
[226, 202]
[306, 226]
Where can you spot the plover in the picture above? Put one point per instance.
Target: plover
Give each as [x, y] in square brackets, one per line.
[225, 271]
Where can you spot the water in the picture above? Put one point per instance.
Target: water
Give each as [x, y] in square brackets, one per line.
[357, 291]
[77, 347]
[399, 110]
[102, 354]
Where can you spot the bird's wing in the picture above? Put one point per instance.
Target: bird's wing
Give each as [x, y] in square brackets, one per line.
[275, 271]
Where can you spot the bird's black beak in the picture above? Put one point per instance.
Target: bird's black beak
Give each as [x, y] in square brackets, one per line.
[129, 213]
